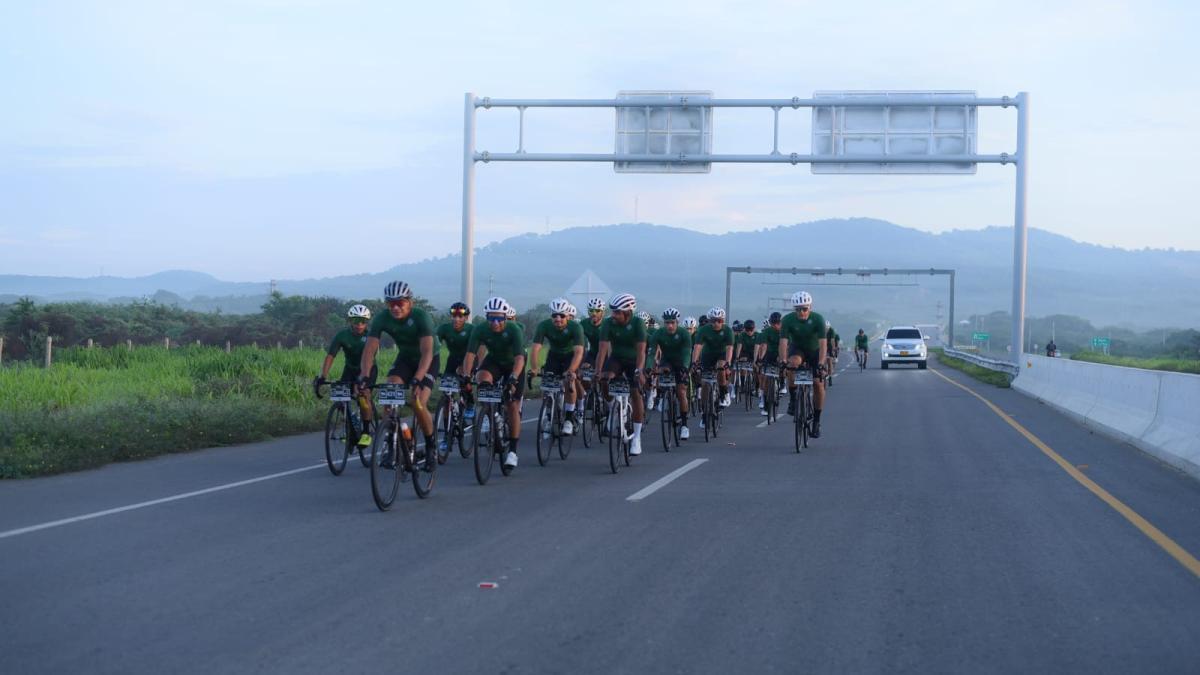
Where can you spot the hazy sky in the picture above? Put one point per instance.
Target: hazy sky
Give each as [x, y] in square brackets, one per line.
[266, 138]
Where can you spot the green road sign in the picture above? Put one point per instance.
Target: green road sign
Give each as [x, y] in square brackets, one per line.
[1101, 342]
[981, 337]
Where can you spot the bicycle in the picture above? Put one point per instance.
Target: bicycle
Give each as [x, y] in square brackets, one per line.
[394, 452]
[670, 410]
[804, 405]
[588, 415]
[710, 411]
[341, 429]
[620, 418]
[744, 383]
[449, 423]
[550, 420]
[862, 359]
[491, 401]
[771, 393]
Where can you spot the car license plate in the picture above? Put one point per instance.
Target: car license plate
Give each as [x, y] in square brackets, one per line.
[903, 353]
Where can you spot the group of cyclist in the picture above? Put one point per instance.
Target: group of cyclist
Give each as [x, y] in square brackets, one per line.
[623, 344]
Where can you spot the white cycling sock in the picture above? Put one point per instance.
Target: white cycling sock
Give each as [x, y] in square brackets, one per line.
[569, 407]
[637, 428]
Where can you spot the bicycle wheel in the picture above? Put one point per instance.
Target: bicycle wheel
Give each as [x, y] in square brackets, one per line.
[422, 463]
[802, 416]
[626, 437]
[586, 418]
[484, 448]
[464, 448]
[668, 419]
[386, 465]
[565, 441]
[706, 416]
[545, 430]
[443, 428]
[614, 439]
[769, 400]
[747, 390]
[337, 439]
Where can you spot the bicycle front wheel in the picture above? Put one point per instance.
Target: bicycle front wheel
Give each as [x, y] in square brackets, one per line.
[337, 439]
[386, 465]
[483, 444]
[545, 427]
[444, 428]
[614, 439]
[668, 420]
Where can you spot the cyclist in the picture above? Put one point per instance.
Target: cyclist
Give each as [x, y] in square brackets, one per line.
[350, 341]
[500, 349]
[802, 339]
[713, 349]
[674, 349]
[565, 338]
[766, 353]
[623, 352]
[417, 355]
[743, 345]
[860, 346]
[455, 334]
[690, 324]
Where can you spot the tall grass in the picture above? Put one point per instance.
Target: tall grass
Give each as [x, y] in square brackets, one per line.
[94, 406]
[1174, 365]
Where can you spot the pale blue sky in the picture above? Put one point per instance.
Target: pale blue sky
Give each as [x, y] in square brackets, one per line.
[251, 139]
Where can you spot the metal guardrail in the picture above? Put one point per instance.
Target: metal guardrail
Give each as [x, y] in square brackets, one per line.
[983, 361]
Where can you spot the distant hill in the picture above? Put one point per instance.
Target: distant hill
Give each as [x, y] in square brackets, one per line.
[667, 265]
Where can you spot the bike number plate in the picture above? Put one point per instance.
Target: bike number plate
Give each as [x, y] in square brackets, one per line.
[803, 379]
[339, 392]
[666, 380]
[490, 393]
[392, 394]
[771, 371]
[708, 377]
[551, 384]
[618, 388]
[448, 385]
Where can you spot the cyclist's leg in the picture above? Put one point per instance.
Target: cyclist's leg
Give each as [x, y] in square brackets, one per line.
[514, 416]
[794, 359]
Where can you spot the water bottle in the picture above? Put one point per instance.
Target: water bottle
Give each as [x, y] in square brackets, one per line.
[406, 432]
[356, 421]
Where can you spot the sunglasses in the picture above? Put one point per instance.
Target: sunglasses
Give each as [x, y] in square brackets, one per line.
[804, 309]
[358, 321]
[497, 319]
[396, 303]
[558, 316]
[458, 312]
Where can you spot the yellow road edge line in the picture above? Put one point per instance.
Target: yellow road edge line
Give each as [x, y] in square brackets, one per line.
[1153, 533]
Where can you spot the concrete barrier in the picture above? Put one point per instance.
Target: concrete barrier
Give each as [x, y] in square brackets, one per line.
[1156, 411]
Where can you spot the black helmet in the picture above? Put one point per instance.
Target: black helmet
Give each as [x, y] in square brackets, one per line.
[703, 319]
[737, 326]
[748, 324]
[776, 317]
[460, 309]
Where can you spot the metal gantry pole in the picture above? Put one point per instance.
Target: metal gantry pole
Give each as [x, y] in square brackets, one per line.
[1020, 231]
[951, 344]
[468, 202]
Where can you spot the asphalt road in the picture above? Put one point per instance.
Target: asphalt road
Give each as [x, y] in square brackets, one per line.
[921, 533]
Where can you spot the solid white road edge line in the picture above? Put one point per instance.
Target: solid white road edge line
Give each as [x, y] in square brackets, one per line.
[163, 500]
[664, 481]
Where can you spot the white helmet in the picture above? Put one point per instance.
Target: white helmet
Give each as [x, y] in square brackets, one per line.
[572, 312]
[496, 304]
[510, 312]
[670, 314]
[644, 316]
[801, 299]
[689, 322]
[623, 302]
[596, 303]
[359, 312]
[559, 306]
[716, 313]
[396, 290]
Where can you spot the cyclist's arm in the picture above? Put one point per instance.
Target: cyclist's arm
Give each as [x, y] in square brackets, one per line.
[641, 355]
[325, 366]
[601, 355]
[576, 358]
[824, 354]
[729, 353]
[533, 356]
[426, 358]
[368, 357]
[783, 348]
[518, 366]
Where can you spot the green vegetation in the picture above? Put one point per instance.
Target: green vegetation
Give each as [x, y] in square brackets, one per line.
[992, 377]
[1074, 335]
[1174, 365]
[101, 405]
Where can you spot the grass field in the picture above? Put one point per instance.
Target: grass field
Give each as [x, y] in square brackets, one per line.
[980, 373]
[95, 406]
[1174, 365]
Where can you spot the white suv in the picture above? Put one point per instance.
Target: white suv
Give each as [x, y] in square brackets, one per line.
[903, 344]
